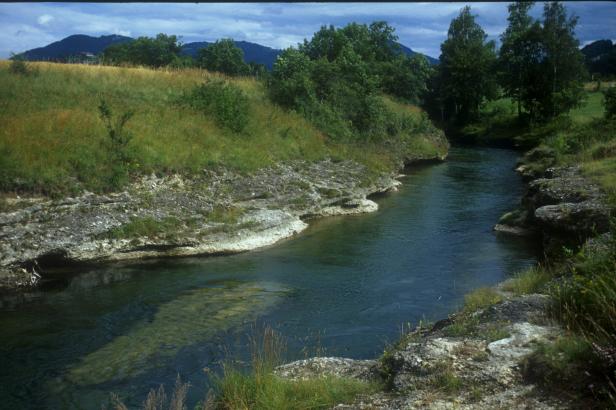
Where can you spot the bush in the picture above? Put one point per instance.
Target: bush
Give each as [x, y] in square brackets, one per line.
[120, 157]
[227, 103]
[19, 66]
[610, 102]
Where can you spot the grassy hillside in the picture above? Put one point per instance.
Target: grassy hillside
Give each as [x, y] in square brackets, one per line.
[53, 141]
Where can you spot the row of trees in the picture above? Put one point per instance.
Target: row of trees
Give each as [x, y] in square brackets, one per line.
[166, 50]
[538, 65]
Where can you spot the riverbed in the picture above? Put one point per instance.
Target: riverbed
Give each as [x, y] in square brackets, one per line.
[346, 286]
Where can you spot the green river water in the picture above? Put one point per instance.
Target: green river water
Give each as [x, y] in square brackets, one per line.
[343, 287]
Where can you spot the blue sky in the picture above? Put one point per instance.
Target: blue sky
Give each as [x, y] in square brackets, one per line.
[421, 26]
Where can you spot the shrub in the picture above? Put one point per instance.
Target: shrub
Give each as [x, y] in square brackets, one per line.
[119, 138]
[19, 66]
[610, 102]
[227, 103]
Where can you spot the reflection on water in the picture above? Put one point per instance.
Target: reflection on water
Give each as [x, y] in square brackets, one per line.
[345, 286]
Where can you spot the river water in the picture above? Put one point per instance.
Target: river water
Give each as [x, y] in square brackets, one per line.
[344, 287]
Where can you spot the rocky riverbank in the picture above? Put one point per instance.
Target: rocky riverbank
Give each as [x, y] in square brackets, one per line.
[439, 368]
[561, 205]
[478, 357]
[217, 212]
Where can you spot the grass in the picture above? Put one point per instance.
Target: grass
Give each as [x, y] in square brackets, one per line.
[52, 140]
[480, 299]
[531, 280]
[444, 379]
[143, 227]
[269, 392]
[260, 388]
[568, 366]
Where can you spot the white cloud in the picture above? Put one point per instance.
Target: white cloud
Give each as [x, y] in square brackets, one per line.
[44, 19]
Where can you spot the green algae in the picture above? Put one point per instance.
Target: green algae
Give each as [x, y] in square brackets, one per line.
[191, 318]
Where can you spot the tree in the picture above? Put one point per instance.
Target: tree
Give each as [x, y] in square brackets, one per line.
[153, 52]
[223, 56]
[516, 52]
[466, 67]
[407, 77]
[563, 64]
[290, 84]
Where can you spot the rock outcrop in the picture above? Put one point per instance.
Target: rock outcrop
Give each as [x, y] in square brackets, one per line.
[216, 213]
[440, 368]
[562, 205]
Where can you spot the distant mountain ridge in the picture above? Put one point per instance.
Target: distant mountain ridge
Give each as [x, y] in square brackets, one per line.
[72, 46]
[253, 52]
[600, 57]
[81, 44]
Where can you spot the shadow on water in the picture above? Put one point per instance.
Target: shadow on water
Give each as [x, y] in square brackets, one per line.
[344, 286]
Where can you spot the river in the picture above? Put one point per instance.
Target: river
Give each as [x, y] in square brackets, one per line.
[343, 287]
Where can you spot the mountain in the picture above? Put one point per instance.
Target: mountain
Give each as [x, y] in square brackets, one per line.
[600, 57]
[80, 44]
[255, 53]
[409, 52]
[72, 46]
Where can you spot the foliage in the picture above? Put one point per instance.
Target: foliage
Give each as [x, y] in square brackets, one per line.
[336, 78]
[517, 52]
[563, 67]
[119, 155]
[19, 66]
[407, 78]
[466, 69]
[542, 68]
[223, 56]
[145, 51]
[609, 96]
[227, 103]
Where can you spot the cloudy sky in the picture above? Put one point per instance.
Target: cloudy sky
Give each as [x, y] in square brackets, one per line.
[421, 26]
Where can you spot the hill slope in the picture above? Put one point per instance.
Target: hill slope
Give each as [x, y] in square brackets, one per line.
[53, 139]
[600, 57]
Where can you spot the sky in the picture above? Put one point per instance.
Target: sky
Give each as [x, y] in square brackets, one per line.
[421, 26]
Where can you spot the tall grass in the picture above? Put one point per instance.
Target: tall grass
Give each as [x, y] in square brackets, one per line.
[531, 280]
[53, 140]
[260, 388]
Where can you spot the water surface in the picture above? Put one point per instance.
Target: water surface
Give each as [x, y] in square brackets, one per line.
[344, 287]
